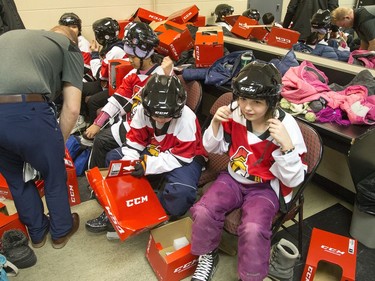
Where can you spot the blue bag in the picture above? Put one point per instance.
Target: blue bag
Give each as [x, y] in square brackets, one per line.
[224, 69]
[80, 153]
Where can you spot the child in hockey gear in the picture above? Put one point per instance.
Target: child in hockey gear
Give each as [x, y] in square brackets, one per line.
[264, 144]
[106, 46]
[140, 41]
[166, 136]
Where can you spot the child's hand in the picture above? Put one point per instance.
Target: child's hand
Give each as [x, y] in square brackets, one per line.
[167, 65]
[94, 46]
[280, 134]
[222, 114]
[92, 131]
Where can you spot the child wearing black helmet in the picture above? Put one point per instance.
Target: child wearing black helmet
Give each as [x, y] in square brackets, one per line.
[106, 46]
[165, 134]
[139, 43]
[264, 145]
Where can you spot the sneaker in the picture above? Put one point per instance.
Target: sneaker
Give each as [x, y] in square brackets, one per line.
[80, 124]
[99, 224]
[206, 266]
[86, 141]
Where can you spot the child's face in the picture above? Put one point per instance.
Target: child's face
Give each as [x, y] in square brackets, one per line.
[253, 110]
[161, 120]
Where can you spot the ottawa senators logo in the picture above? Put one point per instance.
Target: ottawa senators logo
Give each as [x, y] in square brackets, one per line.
[153, 150]
[238, 161]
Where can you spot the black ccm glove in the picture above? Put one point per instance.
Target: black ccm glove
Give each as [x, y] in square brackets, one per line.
[140, 167]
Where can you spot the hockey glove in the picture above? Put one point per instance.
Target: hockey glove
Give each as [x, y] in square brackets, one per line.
[140, 167]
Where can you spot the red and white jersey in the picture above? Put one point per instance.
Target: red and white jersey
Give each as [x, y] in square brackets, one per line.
[116, 52]
[117, 103]
[253, 156]
[180, 144]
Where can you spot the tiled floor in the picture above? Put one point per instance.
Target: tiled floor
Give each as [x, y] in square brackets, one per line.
[92, 257]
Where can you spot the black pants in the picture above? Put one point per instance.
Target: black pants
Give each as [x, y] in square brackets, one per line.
[103, 143]
[96, 102]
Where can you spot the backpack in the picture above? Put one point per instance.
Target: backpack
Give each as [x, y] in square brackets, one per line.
[80, 153]
[224, 69]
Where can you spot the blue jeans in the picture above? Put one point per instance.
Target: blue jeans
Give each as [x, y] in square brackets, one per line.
[29, 132]
[259, 204]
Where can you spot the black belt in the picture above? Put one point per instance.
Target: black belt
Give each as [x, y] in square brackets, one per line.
[8, 98]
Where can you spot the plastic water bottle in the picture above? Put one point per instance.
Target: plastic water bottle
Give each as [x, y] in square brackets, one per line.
[246, 58]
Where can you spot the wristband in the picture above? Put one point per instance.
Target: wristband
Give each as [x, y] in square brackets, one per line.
[284, 152]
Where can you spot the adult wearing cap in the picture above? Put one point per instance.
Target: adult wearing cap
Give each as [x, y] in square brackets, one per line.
[29, 131]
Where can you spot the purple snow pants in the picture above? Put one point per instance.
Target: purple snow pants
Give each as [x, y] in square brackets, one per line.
[259, 204]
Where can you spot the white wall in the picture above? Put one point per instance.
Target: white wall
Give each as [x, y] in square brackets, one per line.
[42, 14]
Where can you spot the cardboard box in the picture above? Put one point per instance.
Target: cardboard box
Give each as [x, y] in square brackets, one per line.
[332, 249]
[282, 37]
[146, 16]
[178, 264]
[122, 24]
[3, 209]
[72, 181]
[118, 68]
[174, 38]
[129, 202]
[5, 192]
[231, 20]
[200, 21]
[185, 15]
[209, 45]
[243, 27]
[11, 222]
[260, 33]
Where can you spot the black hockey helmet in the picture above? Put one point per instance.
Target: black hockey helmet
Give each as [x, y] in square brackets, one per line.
[106, 31]
[258, 80]
[68, 19]
[139, 39]
[163, 96]
[223, 10]
[252, 14]
[321, 19]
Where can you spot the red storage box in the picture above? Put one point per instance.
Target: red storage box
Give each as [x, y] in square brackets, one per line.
[282, 37]
[122, 24]
[5, 192]
[199, 21]
[209, 45]
[184, 15]
[168, 264]
[334, 249]
[243, 27]
[118, 69]
[129, 202]
[174, 38]
[11, 222]
[146, 16]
